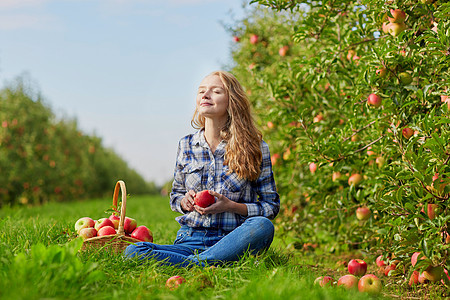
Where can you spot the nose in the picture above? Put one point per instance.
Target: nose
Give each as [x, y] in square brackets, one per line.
[206, 94]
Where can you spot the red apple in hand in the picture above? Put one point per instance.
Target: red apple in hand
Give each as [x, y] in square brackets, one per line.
[129, 225]
[204, 199]
[106, 230]
[369, 284]
[102, 223]
[142, 233]
[174, 281]
[348, 281]
[357, 267]
[87, 233]
[84, 222]
[115, 219]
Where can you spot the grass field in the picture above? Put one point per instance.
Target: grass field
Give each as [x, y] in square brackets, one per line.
[40, 259]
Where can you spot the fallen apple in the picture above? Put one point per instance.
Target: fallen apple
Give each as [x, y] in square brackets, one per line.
[370, 284]
[380, 262]
[142, 233]
[204, 199]
[433, 273]
[324, 281]
[414, 279]
[357, 267]
[389, 268]
[348, 281]
[174, 281]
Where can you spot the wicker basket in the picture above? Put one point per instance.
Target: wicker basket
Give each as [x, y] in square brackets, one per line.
[115, 242]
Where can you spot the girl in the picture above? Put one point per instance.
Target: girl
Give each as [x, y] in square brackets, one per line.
[227, 157]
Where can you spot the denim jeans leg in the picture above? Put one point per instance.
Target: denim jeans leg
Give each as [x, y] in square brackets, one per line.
[255, 234]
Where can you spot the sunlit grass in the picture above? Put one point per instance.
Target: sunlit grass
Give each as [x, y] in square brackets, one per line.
[40, 259]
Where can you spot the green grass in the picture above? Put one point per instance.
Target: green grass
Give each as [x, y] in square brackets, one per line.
[39, 259]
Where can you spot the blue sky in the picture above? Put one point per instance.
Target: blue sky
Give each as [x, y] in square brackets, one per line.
[126, 70]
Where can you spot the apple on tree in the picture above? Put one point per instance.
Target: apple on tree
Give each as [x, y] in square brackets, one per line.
[398, 16]
[355, 179]
[254, 38]
[204, 199]
[374, 100]
[362, 213]
[407, 132]
[84, 222]
[357, 267]
[370, 284]
[174, 281]
[312, 167]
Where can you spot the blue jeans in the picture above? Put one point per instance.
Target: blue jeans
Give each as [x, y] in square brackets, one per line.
[203, 245]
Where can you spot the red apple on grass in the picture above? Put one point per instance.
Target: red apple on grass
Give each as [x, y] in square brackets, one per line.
[380, 262]
[433, 273]
[204, 199]
[348, 281]
[374, 100]
[422, 278]
[87, 233]
[174, 281]
[414, 279]
[389, 268]
[129, 225]
[106, 230]
[142, 233]
[362, 213]
[84, 222]
[324, 281]
[357, 267]
[369, 284]
[102, 223]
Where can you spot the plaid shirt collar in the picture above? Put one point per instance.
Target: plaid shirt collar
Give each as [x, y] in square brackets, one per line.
[199, 139]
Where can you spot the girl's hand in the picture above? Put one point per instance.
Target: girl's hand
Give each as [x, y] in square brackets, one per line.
[187, 203]
[223, 204]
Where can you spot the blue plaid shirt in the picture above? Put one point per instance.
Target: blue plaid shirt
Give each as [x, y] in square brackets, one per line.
[197, 169]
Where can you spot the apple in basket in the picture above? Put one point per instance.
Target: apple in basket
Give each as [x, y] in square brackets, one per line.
[142, 233]
[84, 222]
[102, 223]
[129, 225]
[115, 219]
[106, 230]
[87, 233]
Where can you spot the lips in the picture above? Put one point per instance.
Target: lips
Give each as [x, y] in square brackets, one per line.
[205, 104]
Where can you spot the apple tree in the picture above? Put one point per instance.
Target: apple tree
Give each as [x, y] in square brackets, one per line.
[352, 97]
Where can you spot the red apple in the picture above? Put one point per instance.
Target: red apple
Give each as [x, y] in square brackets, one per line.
[335, 176]
[398, 16]
[115, 219]
[415, 257]
[422, 278]
[84, 222]
[374, 100]
[88, 232]
[129, 224]
[407, 132]
[254, 39]
[236, 39]
[283, 50]
[369, 284]
[106, 230]
[324, 281]
[396, 28]
[102, 223]
[357, 267]
[433, 273]
[389, 268]
[142, 233]
[348, 281]
[431, 210]
[270, 125]
[380, 262]
[312, 167]
[204, 199]
[381, 72]
[318, 118]
[174, 281]
[414, 279]
[362, 213]
[355, 179]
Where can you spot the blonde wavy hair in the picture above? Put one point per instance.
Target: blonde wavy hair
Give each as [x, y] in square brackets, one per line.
[243, 151]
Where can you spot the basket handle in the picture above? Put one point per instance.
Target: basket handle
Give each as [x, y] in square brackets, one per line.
[120, 186]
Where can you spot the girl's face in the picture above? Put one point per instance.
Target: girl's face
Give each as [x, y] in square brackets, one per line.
[212, 98]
